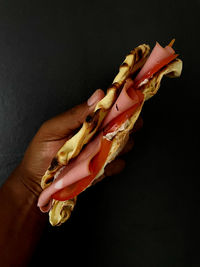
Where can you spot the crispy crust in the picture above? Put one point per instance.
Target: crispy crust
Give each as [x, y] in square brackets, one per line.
[61, 210]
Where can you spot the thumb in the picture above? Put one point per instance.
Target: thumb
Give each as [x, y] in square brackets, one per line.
[65, 123]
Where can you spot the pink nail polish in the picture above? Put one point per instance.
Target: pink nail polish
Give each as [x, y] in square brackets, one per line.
[94, 98]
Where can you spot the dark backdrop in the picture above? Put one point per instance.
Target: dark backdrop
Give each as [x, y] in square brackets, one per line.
[53, 55]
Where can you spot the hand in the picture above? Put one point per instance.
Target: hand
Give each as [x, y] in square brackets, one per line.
[50, 138]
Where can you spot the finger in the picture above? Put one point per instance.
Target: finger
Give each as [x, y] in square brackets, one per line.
[112, 168]
[138, 125]
[115, 167]
[65, 123]
[128, 147]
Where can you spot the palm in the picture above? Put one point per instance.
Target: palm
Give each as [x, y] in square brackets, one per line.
[41, 153]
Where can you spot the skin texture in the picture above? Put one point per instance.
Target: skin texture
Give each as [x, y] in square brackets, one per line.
[19, 194]
[50, 137]
[21, 222]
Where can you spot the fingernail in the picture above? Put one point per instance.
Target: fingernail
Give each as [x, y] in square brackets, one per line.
[94, 98]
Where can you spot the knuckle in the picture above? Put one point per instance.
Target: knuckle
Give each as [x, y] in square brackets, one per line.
[44, 126]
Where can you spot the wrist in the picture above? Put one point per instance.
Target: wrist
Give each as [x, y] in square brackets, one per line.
[19, 193]
[21, 222]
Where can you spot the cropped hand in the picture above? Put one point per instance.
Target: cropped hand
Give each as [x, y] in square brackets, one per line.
[49, 139]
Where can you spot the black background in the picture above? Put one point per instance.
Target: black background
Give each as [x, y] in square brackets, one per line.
[53, 55]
